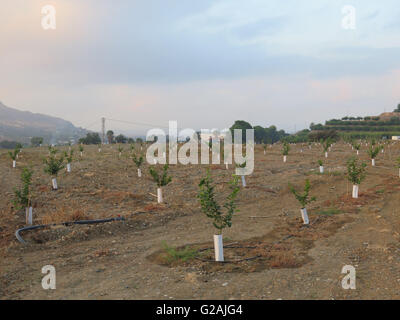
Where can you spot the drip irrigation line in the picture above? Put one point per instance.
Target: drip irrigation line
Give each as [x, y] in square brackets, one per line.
[68, 223]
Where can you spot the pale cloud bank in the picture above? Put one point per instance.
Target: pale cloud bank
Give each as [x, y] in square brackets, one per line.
[204, 63]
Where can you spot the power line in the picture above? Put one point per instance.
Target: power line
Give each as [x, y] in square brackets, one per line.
[140, 123]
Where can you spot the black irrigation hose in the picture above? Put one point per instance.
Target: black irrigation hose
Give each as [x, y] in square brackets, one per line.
[19, 238]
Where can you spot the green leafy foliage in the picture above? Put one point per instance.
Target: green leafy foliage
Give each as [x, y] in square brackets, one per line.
[177, 254]
[210, 207]
[138, 160]
[303, 198]
[91, 138]
[53, 165]
[241, 165]
[374, 151]
[22, 196]
[36, 141]
[326, 144]
[355, 171]
[69, 156]
[161, 178]
[13, 154]
[320, 163]
[285, 148]
[356, 146]
[52, 150]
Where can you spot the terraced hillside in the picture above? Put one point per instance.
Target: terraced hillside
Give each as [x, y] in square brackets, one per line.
[385, 125]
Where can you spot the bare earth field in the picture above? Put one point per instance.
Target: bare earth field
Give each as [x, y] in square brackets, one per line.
[272, 254]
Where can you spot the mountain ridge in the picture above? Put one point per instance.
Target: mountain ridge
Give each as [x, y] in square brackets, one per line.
[21, 126]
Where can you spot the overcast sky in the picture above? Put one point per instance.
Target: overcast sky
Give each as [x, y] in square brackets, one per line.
[202, 63]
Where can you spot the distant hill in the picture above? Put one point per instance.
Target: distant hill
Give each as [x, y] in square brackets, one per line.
[386, 116]
[21, 126]
[386, 125]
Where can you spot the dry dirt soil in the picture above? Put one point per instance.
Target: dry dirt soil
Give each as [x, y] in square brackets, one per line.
[270, 253]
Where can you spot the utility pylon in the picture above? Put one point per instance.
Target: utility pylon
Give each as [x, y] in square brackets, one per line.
[103, 130]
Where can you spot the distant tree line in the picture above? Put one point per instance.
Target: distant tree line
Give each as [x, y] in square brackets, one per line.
[261, 135]
[94, 138]
[6, 144]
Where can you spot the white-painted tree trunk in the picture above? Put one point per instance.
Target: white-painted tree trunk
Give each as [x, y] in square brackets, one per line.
[355, 191]
[265, 152]
[14, 163]
[28, 215]
[54, 183]
[304, 216]
[139, 173]
[243, 181]
[99, 149]
[81, 154]
[226, 166]
[159, 195]
[358, 152]
[68, 167]
[218, 248]
[326, 154]
[321, 169]
[373, 162]
[284, 158]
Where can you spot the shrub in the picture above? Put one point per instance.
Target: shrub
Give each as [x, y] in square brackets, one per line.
[120, 149]
[320, 163]
[285, 148]
[303, 198]
[69, 156]
[374, 151]
[326, 144]
[53, 165]
[162, 179]
[52, 150]
[138, 160]
[22, 197]
[36, 141]
[13, 154]
[210, 206]
[355, 171]
[241, 165]
[356, 146]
